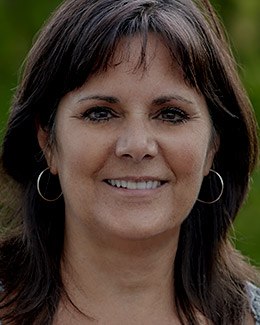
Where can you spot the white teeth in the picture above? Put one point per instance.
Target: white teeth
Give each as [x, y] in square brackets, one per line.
[130, 185]
[141, 186]
[155, 184]
[150, 184]
[113, 182]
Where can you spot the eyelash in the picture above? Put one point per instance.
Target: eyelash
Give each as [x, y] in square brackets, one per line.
[176, 113]
[87, 115]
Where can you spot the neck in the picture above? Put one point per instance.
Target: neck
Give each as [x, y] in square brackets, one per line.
[133, 273]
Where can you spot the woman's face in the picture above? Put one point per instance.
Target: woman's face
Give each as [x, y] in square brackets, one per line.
[132, 147]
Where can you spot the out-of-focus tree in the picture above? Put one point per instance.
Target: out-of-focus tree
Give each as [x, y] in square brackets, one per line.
[242, 22]
[20, 20]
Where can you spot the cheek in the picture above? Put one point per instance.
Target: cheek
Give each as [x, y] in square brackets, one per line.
[187, 156]
[187, 161]
[81, 154]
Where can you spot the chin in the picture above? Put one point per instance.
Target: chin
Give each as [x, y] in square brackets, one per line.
[142, 231]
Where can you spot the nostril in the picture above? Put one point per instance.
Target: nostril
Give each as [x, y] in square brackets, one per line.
[148, 156]
[126, 155]
[136, 145]
[137, 157]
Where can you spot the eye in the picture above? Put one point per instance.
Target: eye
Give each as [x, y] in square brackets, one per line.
[98, 114]
[172, 115]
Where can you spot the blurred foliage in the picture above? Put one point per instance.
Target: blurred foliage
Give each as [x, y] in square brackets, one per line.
[241, 19]
[20, 21]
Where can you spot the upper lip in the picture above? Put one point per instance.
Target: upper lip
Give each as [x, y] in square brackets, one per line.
[137, 178]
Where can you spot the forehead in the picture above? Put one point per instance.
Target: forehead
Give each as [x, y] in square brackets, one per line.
[141, 58]
[139, 53]
[139, 72]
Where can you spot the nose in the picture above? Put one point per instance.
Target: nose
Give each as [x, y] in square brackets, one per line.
[137, 142]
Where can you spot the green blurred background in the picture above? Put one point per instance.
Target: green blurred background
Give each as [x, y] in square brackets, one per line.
[21, 19]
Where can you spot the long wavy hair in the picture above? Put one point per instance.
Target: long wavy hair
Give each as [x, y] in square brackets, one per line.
[78, 41]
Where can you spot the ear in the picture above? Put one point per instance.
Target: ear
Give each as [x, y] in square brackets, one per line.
[43, 137]
[213, 148]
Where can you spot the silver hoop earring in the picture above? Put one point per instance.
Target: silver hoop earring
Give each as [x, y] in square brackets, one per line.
[39, 191]
[221, 191]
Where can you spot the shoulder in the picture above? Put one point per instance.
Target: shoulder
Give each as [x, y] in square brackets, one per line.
[254, 298]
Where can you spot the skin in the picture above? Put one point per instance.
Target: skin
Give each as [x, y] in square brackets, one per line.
[120, 244]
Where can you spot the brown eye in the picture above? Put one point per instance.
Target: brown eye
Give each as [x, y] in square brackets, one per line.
[172, 115]
[98, 114]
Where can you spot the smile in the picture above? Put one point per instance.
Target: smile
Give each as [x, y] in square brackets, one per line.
[132, 185]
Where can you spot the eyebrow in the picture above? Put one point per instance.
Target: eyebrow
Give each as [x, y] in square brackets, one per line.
[109, 99]
[166, 99]
[158, 101]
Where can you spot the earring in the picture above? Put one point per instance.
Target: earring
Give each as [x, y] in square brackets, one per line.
[39, 190]
[221, 191]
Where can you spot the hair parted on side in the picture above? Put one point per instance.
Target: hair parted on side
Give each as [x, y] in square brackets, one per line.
[78, 41]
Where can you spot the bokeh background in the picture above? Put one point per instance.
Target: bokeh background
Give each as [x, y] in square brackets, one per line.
[21, 19]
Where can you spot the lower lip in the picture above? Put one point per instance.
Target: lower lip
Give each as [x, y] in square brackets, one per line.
[136, 192]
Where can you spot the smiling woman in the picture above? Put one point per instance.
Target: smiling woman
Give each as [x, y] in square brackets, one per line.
[128, 146]
[124, 130]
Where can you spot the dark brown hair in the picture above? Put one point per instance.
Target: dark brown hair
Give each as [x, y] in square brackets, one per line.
[79, 40]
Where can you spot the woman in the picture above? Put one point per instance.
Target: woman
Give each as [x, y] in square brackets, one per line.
[126, 144]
